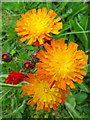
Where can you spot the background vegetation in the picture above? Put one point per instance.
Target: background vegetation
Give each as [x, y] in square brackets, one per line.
[75, 28]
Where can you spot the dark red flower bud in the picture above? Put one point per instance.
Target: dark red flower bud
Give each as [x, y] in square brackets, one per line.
[28, 64]
[15, 77]
[35, 54]
[6, 57]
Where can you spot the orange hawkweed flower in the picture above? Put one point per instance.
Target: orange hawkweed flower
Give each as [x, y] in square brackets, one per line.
[15, 77]
[37, 24]
[62, 62]
[42, 95]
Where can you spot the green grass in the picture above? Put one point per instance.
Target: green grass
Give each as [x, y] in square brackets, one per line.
[75, 28]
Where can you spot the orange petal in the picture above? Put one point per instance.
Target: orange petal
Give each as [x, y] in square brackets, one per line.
[55, 32]
[57, 26]
[82, 72]
[22, 33]
[78, 80]
[34, 11]
[30, 78]
[57, 19]
[72, 85]
[19, 23]
[44, 10]
[47, 47]
[54, 107]
[63, 85]
[28, 13]
[41, 41]
[23, 15]
[52, 14]
[19, 29]
[39, 11]
[31, 102]
[72, 46]
[23, 39]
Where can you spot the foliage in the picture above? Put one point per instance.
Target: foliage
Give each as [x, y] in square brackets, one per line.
[75, 28]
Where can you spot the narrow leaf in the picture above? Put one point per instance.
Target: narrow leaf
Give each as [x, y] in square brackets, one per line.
[72, 110]
[82, 37]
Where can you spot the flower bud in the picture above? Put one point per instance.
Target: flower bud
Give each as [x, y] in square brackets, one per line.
[35, 54]
[28, 64]
[6, 57]
[15, 77]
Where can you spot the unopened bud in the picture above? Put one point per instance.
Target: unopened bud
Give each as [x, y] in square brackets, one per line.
[28, 64]
[35, 54]
[6, 57]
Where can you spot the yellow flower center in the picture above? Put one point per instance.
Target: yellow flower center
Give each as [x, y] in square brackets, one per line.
[37, 24]
[62, 63]
[4, 56]
[43, 91]
[27, 65]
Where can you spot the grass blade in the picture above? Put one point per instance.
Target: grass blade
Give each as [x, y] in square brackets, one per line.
[15, 111]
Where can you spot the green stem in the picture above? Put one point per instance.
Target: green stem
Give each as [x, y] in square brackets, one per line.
[74, 33]
[9, 85]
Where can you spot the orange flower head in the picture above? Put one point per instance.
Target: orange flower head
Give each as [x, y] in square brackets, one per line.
[42, 95]
[62, 62]
[37, 24]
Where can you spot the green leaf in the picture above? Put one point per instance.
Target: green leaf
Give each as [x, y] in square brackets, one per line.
[84, 87]
[73, 112]
[82, 37]
[36, 116]
[15, 111]
[62, 6]
[67, 14]
[14, 103]
[17, 115]
[80, 97]
[65, 27]
[76, 8]
[30, 47]
[49, 5]
[84, 22]
[6, 92]
[42, 5]
[12, 52]
[71, 99]
[6, 47]
[33, 5]
[87, 68]
[46, 116]
[4, 75]
[71, 39]
[11, 65]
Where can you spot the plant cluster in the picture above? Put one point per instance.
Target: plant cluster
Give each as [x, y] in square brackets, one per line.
[54, 68]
